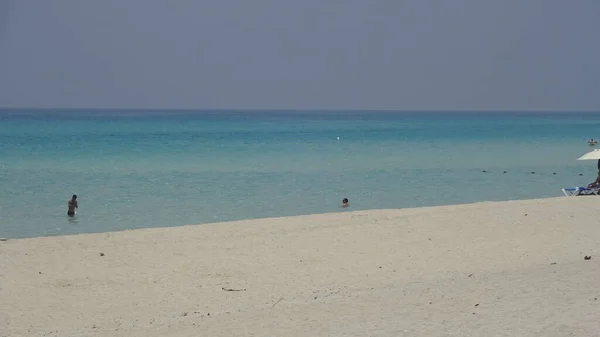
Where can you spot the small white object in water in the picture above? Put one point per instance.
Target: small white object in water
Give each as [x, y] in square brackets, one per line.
[338, 138]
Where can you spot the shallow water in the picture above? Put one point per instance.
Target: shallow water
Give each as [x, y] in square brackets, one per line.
[134, 169]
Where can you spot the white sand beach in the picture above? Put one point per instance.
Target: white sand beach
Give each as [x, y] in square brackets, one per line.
[512, 268]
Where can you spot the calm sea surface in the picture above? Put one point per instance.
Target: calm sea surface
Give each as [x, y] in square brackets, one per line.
[134, 169]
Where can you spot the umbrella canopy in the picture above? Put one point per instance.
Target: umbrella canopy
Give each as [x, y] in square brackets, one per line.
[593, 155]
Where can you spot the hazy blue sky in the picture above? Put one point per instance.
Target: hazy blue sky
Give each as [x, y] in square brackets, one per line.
[299, 54]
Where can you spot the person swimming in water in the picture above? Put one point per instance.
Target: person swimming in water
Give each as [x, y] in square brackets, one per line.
[72, 205]
[345, 202]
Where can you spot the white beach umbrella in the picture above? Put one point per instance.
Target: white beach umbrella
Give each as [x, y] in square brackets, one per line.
[593, 155]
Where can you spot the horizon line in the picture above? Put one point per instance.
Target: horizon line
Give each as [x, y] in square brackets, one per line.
[3, 109]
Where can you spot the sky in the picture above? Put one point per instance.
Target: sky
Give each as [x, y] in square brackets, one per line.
[303, 54]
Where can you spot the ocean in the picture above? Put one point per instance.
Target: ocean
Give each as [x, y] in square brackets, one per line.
[137, 169]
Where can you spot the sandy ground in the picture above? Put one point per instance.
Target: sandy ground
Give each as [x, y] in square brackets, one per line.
[489, 269]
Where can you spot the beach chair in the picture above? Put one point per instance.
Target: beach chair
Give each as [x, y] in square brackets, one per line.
[577, 191]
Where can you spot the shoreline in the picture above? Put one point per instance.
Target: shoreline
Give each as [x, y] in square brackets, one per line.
[497, 268]
[274, 218]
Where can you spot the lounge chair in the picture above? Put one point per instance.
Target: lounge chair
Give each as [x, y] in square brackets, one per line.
[576, 191]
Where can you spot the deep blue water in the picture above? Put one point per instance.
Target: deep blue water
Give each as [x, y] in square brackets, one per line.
[134, 169]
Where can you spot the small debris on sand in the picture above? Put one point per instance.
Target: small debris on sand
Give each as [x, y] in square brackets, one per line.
[274, 304]
[229, 289]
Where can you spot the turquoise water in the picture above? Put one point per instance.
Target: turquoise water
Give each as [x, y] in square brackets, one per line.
[134, 169]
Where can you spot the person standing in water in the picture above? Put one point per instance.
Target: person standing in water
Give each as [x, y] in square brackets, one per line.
[345, 202]
[72, 205]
